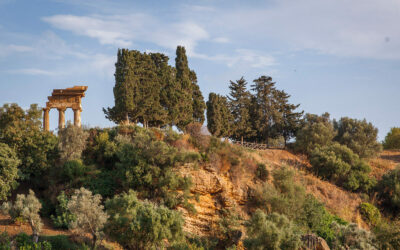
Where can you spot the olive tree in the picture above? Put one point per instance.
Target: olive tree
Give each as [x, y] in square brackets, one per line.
[89, 213]
[273, 231]
[72, 141]
[139, 224]
[27, 208]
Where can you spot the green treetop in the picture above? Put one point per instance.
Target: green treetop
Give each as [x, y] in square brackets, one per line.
[239, 103]
[218, 115]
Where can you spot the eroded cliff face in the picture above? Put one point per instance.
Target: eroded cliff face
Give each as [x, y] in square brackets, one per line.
[220, 185]
[214, 190]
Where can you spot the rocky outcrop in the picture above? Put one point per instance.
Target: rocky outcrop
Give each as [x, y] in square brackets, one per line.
[214, 190]
[313, 242]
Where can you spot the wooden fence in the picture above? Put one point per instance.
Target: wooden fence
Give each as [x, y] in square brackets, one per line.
[253, 145]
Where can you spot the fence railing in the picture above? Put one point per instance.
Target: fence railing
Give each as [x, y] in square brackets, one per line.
[252, 145]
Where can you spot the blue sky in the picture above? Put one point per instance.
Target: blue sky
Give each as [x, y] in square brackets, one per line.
[338, 56]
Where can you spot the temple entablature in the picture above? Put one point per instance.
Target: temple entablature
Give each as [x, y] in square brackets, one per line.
[61, 99]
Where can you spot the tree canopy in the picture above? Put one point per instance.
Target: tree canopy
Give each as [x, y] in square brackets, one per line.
[149, 91]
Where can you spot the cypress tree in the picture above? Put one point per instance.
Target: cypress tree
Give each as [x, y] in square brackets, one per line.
[184, 105]
[218, 115]
[239, 104]
[123, 90]
[198, 101]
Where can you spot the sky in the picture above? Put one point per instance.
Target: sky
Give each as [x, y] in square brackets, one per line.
[335, 56]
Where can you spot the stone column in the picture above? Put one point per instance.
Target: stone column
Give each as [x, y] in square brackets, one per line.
[46, 122]
[61, 118]
[77, 117]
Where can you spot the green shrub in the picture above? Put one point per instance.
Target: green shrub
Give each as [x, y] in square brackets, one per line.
[27, 208]
[63, 217]
[228, 231]
[73, 171]
[337, 163]
[22, 131]
[352, 237]
[392, 139]
[100, 149]
[141, 225]
[146, 165]
[370, 213]
[358, 135]
[195, 243]
[44, 245]
[272, 231]
[72, 141]
[89, 214]
[317, 219]
[60, 242]
[287, 198]
[389, 190]
[105, 182]
[388, 235]
[262, 172]
[8, 170]
[5, 241]
[315, 131]
[22, 239]
[284, 197]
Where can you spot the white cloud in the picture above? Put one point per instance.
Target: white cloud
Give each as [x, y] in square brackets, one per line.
[6, 50]
[31, 71]
[221, 40]
[357, 28]
[123, 31]
[242, 57]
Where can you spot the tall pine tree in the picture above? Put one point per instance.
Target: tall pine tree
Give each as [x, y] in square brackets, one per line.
[289, 120]
[239, 103]
[265, 109]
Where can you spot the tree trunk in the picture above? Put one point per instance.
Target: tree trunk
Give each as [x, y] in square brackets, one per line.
[94, 241]
[35, 237]
[242, 140]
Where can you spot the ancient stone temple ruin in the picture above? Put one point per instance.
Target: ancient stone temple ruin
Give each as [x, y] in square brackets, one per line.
[61, 99]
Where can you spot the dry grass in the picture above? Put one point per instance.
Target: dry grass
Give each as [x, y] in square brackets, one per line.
[386, 161]
[338, 201]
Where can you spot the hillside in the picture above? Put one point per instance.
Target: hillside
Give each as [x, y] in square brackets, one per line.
[217, 187]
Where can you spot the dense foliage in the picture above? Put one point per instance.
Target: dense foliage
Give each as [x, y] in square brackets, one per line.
[139, 224]
[21, 131]
[340, 165]
[149, 91]
[262, 114]
[370, 213]
[315, 131]
[88, 212]
[26, 208]
[71, 142]
[389, 190]
[273, 231]
[392, 139]
[287, 198]
[219, 118]
[8, 170]
[359, 136]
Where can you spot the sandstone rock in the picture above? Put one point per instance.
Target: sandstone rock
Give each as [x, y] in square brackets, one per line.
[313, 242]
